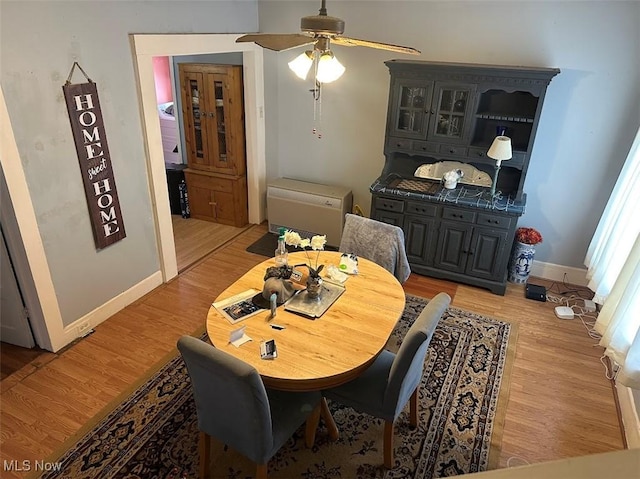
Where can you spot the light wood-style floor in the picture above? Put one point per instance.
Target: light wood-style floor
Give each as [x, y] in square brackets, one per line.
[195, 238]
[560, 405]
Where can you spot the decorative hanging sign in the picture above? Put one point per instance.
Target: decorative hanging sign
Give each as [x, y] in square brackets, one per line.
[95, 162]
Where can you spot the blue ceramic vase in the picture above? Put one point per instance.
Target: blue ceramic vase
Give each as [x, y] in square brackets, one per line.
[520, 262]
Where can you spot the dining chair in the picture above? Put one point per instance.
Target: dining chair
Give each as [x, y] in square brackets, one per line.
[233, 406]
[392, 380]
[376, 241]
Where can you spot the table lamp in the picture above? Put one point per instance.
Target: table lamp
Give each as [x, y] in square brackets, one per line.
[500, 151]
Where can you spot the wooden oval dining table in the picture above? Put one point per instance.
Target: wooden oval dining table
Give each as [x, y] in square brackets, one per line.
[320, 353]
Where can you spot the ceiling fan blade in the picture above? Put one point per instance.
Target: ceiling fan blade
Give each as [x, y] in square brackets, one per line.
[277, 41]
[354, 42]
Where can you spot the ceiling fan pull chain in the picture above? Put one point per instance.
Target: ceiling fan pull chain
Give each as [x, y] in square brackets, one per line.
[317, 110]
[319, 102]
[317, 99]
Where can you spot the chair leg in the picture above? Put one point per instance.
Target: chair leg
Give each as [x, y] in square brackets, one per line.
[261, 471]
[413, 408]
[388, 444]
[312, 426]
[204, 445]
[328, 419]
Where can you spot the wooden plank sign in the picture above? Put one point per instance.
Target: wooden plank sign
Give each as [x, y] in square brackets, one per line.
[95, 162]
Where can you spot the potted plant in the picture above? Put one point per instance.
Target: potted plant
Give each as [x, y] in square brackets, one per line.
[522, 254]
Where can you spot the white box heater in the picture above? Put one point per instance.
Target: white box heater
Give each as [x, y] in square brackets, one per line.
[308, 208]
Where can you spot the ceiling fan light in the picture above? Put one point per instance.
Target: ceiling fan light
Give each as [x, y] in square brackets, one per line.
[301, 64]
[329, 68]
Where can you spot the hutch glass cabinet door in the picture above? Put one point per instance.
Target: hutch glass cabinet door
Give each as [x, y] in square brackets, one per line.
[195, 117]
[411, 109]
[217, 107]
[450, 112]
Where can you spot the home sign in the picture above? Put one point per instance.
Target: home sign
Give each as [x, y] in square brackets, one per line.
[90, 139]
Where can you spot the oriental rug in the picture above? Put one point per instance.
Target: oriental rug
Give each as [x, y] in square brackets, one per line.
[153, 432]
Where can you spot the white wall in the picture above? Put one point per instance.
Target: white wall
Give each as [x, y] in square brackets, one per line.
[39, 42]
[591, 112]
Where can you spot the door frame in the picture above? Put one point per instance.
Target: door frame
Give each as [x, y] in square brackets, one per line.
[144, 48]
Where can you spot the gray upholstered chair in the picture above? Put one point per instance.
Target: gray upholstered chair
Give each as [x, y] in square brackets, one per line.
[234, 407]
[376, 241]
[393, 379]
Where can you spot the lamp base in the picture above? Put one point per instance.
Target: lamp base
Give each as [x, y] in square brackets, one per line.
[495, 181]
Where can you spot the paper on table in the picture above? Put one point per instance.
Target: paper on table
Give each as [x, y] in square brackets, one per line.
[238, 337]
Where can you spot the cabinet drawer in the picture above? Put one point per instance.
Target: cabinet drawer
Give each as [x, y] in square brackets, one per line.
[458, 215]
[211, 182]
[400, 143]
[388, 204]
[424, 147]
[494, 221]
[423, 209]
[453, 150]
[475, 152]
[517, 159]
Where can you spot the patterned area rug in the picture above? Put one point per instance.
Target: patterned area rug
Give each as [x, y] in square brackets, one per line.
[153, 433]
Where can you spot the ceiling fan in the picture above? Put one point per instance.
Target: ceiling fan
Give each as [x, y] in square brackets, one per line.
[319, 30]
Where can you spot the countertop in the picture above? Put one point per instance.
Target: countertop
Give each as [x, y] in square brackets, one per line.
[463, 195]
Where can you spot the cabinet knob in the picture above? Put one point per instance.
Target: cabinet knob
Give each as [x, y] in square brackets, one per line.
[452, 150]
[480, 154]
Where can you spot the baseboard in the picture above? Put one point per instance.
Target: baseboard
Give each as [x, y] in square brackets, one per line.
[556, 272]
[629, 414]
[86, 323]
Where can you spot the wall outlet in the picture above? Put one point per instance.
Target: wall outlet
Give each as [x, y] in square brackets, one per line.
[589, 306]
[84, 329]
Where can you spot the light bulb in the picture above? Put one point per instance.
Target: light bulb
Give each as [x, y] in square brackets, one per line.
[329, 68]
[301, 64]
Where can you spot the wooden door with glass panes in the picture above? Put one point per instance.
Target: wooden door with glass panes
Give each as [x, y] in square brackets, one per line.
[450, 112]
[213, 117]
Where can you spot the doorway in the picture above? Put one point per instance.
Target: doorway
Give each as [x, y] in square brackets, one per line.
[145, 47]
[194, 238]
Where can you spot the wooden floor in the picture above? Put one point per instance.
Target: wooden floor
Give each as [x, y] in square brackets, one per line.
[560, 405]
[195, 238]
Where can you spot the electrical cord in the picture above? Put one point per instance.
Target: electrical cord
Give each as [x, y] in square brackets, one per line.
[588, 318]
[567, 289]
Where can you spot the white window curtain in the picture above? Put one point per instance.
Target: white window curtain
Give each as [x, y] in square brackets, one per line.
[613, 262]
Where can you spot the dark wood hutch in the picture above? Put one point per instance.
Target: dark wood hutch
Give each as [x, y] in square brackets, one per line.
[452, 112]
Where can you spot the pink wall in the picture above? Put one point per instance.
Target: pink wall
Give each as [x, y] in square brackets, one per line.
[162, 78]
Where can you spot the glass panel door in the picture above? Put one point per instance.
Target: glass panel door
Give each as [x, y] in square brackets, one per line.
[221, 132]
[411, 109]
[196, 131]
[451, 108]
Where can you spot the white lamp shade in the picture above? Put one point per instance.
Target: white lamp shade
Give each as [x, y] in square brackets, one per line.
[329, 68]
[500, 149]
[301, 64]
